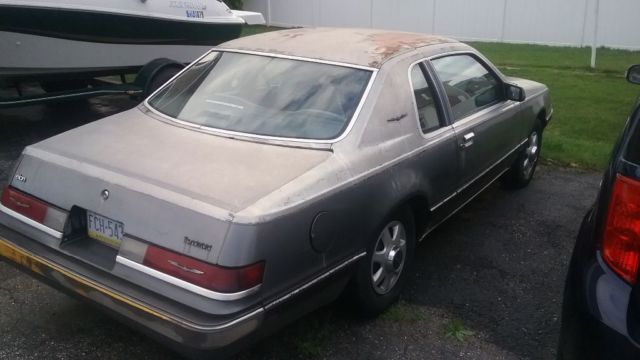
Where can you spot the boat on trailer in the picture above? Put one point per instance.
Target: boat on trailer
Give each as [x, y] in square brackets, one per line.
[67, 45]
[88, 38]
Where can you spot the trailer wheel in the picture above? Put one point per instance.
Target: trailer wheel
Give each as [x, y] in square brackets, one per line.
[160, 78]
[155, 73]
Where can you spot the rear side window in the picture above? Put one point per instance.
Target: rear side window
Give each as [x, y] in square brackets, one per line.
[469, 85]
[425, 101]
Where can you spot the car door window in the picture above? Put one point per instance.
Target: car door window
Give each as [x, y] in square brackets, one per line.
[468, 84]
[426, 105]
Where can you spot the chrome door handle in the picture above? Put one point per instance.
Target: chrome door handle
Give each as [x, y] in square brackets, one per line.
[468, 140]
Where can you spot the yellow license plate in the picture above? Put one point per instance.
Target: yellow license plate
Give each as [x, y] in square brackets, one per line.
[108, 231]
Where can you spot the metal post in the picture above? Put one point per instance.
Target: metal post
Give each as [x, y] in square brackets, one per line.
[504, 20]
[594, 45]
[268, 12]
[371, 14]
[585, 17]
[433, 18]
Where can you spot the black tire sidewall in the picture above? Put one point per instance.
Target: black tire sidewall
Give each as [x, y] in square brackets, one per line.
[160, 78]
[515, 177]
[369, 303]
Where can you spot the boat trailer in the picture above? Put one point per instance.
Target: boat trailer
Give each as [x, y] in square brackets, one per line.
[150, 77]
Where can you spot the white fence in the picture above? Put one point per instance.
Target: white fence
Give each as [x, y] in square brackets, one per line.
[552, 22]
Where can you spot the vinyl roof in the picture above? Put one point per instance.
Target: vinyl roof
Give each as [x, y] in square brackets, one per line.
[364, 47]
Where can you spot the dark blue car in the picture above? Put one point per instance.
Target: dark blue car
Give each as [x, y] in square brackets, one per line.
[601, 308]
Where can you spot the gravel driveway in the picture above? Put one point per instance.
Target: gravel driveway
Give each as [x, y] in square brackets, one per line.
[492, 274]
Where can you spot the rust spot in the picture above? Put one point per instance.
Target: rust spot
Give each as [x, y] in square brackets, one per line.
[389, 44]
[355, 46]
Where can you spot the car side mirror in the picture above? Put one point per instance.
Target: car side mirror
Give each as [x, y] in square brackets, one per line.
[633, 74]
[514, 92]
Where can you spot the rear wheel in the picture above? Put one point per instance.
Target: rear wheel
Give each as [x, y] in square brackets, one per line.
[523, 168]
[381, 275]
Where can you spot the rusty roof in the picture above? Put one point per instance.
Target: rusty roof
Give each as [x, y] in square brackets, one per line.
[364, 47]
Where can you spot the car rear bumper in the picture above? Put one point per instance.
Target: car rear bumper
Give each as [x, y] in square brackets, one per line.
[185, 334]
[596, 320]
[186, 330]
[608, 297]
[596, 317]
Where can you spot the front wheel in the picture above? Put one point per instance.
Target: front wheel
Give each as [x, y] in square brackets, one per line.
[381, 274]
[523, 168]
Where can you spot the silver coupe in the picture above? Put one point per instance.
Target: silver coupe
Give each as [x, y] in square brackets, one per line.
[273, 174]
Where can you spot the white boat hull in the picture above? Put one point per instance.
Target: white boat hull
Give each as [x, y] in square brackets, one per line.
[32, 54]
[87, 37]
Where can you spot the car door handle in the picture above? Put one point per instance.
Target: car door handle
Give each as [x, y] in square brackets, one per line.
[467, 140]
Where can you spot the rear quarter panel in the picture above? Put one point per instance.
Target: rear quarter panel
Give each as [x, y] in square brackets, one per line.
[378, 167]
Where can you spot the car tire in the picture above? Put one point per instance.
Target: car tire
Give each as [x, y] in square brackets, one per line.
[524, 166]
[381, 274]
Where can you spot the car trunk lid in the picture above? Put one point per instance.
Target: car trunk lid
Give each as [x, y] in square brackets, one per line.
[165, 183]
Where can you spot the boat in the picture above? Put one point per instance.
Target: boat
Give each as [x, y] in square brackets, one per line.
[76, 39]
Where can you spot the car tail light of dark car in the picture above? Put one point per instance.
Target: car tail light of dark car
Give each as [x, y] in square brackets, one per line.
[32, 208]
[208, 276]
[621, 236]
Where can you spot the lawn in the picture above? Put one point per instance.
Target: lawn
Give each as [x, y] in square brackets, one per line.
[590, 106]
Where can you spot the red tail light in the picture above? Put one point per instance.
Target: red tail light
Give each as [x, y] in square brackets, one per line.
[24, 204]
[212, 277]
[621, 238]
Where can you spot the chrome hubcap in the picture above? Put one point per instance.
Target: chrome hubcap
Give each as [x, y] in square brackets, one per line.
[531, 154]
[388, 258]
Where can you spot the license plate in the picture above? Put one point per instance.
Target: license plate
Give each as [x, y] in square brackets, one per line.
[105, 230]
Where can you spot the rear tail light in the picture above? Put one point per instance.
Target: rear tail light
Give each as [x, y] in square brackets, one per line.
[32, 208]
[208, 276]
[621, 237]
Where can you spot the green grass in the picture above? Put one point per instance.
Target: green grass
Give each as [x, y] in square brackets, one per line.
[457, 330]
[591, 106]
[403, 313]
[313, 339]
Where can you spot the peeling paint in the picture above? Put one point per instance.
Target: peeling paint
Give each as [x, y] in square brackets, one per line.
[363, 47]
[389, 44]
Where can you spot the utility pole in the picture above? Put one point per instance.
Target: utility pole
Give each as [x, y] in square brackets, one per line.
[594, 45]
[268, 12]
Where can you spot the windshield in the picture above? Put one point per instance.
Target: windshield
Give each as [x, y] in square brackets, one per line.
[264, 95]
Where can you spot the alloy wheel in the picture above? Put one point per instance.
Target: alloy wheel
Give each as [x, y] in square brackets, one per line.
[389, 255]
[531, 155]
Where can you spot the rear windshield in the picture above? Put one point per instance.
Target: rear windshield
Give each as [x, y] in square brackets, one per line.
[262, 95]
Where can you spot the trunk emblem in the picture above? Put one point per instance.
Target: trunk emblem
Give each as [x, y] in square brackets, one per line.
[21, 178]
[197, 244]
[105, 194]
